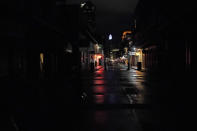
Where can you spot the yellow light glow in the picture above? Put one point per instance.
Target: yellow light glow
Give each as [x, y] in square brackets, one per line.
[124, 34]
[137, 53]
[41, 58]
[99, 57]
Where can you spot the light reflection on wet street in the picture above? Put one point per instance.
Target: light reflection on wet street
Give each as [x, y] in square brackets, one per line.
[111, 89]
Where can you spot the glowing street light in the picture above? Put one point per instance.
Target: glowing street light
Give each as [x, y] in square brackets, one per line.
[110, 37]
[82, 5]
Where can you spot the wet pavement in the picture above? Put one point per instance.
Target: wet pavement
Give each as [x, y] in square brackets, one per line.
[115, 99]
[112, 98]
[131, 100]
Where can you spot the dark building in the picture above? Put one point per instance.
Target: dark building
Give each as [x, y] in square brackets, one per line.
[40, 59]
[165, 32]
[36, 29]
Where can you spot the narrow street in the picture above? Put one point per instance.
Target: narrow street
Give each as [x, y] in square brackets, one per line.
[97, 65]
[113, 96]
[115, 99]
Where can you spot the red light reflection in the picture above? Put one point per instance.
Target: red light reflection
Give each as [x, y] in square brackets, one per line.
[99, 89]
[99, 82]
[101, 71]
[99, 99]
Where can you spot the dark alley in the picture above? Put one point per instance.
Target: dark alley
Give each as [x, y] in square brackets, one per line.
[97, 65]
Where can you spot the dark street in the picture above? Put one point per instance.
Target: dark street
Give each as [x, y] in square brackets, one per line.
[110, 103]
[112, 99]
[118, 99]
[97, 65]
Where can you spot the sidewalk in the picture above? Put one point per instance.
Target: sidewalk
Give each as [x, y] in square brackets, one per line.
[135, 67]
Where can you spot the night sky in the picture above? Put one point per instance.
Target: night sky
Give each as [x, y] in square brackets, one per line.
[112, 16]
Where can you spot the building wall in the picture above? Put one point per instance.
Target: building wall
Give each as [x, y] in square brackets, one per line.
[167, 30]
[170, 26]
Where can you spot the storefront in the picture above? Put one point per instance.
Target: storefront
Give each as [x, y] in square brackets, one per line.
[137, 58]
[98, 59]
